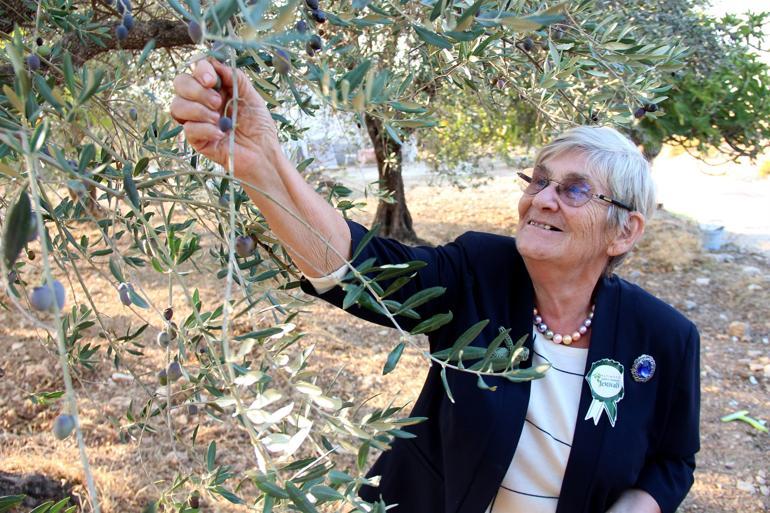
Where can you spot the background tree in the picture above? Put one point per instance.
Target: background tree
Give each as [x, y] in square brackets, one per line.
[717, 101]
[96, 180]
[472, 136]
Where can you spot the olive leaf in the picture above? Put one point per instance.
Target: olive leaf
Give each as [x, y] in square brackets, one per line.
[130, 187]
[17, 227]
[393, 358]
[431, 37]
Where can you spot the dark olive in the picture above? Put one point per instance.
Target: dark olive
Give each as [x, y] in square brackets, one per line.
[128, 21]
[124, 6]
[194, 31]
[225, 124]
[33, 62]
[318, 15]
[281, 62]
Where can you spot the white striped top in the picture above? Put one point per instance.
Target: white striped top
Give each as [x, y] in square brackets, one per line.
[533, 481]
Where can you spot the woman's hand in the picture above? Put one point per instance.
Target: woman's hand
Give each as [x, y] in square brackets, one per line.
[635, 501]
[199, 107]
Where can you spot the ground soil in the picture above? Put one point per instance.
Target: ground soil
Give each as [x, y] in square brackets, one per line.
[726, 294]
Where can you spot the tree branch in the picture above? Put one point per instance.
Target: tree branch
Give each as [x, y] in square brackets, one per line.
[167, 34]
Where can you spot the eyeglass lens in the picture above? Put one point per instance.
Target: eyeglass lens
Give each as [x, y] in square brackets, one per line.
[573, 191]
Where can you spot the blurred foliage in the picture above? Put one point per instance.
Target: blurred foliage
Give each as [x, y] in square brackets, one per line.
[471, 137]
[728, 110]
[720, 99]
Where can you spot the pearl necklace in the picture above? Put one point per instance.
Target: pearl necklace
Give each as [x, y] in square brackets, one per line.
[542, 327]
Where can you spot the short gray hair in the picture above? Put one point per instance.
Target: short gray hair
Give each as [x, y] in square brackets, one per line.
[618, 163]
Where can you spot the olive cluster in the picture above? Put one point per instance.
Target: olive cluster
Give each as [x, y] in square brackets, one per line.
[644, 109]
[315, 12]
[314, 44]
[127, 23]
[33, 59]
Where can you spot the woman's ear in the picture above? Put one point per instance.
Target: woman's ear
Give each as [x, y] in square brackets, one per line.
[626, 237]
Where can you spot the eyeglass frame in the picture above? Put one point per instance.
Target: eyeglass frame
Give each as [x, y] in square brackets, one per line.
[594, 195]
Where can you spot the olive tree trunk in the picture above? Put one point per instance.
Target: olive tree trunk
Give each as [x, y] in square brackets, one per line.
[394, 218]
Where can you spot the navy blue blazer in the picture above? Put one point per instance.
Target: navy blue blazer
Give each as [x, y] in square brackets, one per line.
[462, 452]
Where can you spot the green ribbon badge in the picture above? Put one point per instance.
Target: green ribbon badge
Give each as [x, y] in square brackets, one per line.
[605, 379]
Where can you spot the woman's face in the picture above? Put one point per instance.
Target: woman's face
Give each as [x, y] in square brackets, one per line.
[578, 237]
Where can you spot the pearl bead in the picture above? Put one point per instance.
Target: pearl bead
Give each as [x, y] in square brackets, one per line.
[558, 338]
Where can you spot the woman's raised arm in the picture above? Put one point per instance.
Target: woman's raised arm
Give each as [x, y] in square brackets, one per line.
[272, 182]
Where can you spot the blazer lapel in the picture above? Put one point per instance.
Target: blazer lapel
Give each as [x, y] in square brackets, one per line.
[587, 441]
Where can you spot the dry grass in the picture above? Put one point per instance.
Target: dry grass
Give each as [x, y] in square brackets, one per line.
[670, 242]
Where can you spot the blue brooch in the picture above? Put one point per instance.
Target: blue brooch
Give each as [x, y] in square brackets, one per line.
[643, 368]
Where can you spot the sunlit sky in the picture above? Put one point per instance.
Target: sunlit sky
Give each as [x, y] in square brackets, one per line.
[720, 7]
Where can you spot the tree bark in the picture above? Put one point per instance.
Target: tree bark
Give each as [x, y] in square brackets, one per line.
[38, 488]
[394, 218]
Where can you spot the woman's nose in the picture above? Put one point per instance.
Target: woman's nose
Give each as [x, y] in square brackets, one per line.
[547, 198]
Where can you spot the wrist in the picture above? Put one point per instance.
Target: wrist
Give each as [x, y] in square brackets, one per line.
[275, 156]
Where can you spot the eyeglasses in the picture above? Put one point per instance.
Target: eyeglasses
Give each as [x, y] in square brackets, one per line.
[574, 191]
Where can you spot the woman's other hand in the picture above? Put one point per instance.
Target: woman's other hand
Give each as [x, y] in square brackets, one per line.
[635, 501]
[199, 107]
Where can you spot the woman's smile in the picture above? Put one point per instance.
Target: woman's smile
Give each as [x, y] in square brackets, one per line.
[543, 226]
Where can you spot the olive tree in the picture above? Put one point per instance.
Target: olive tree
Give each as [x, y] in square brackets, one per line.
[96, 180]
[718, 101]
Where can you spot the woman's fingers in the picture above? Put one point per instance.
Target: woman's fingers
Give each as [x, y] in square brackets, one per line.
[189, 88]
[204, 73]
[224, 71]
[202, 136]
[245, 87]
[185, 110]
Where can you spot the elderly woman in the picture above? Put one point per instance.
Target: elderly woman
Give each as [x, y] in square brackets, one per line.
[613, 425]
